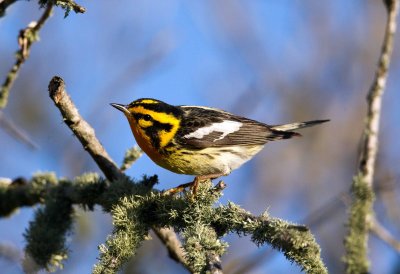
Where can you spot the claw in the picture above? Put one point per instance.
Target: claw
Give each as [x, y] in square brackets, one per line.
[193, 185]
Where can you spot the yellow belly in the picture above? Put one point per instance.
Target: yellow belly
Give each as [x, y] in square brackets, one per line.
[213, 160]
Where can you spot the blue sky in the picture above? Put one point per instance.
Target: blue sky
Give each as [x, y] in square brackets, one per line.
[274, 61]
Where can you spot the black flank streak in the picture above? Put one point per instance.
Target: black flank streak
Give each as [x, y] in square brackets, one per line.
[186, 153]
[186, 161]
[237, 154]
[207, 155]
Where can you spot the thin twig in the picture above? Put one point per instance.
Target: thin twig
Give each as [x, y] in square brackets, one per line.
[25, 40]
[246, 264]
[16, 132]
[356, 242]
[214, 265]
[382, 233]
[72, 5]
[85, 133]
[374, 101]
[82, 130]
[4, 5]
[174, 246]
[10, 253]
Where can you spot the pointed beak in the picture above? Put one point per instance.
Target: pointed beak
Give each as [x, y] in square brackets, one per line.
[120, 108]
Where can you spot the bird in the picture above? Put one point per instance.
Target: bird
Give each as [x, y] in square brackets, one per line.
[197, 140]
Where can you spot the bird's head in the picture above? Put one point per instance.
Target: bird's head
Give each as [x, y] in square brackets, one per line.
[153, 122]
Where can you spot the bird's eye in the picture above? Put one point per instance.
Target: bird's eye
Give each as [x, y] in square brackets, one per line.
[147, 117]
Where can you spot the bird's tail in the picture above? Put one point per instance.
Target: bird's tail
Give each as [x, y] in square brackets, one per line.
[294, 126]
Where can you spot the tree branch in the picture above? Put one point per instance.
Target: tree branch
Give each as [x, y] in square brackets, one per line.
[361, 211]
[86, 135]
[10, 253]
[168, 237]
[82, 130]
[15, 132]
[382, 233]
[4, 5]
[214, 264]
[131, 208]
[25, 40]
[70, 5]
[295, 241]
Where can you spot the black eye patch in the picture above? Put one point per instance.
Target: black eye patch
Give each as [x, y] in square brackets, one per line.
[139, 116]
[146, 117]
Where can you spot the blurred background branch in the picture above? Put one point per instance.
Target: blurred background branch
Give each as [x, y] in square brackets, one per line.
[381, 232]
[361, 210]
[275, 62]
[4, 5]
[26, 38]
[16, 132]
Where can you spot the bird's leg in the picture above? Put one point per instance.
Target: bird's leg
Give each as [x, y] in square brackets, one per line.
[177, 189]
[193, 185]
[198, 179]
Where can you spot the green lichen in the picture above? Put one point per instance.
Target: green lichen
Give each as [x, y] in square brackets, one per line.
[356, 242]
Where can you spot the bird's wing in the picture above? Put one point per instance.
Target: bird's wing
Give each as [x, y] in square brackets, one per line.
[207, 127]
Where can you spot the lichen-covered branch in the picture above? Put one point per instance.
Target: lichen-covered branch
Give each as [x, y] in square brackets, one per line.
[361, 210]
[68, 5]
[26, 38]
[85, 133]
[45, 240]
[131, 155]
[296, 242]
[136, 209]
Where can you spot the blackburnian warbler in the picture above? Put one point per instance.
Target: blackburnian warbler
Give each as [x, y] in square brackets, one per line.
[201, 141]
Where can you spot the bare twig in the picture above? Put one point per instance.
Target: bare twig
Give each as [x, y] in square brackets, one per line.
[174, 246]
[374, 100]
[16, 132]
[214, 265]
[245, 264]
[25, 40]
[85, 133]
[82, 130]
[382, 233]
[10, 253]
[362, 188]
[4, 5]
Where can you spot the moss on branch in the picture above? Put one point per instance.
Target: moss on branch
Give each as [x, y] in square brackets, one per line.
[136, 208]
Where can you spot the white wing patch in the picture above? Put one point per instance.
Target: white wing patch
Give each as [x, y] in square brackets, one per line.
[226, 127]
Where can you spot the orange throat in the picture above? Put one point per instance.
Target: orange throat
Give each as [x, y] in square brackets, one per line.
[144, 141]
